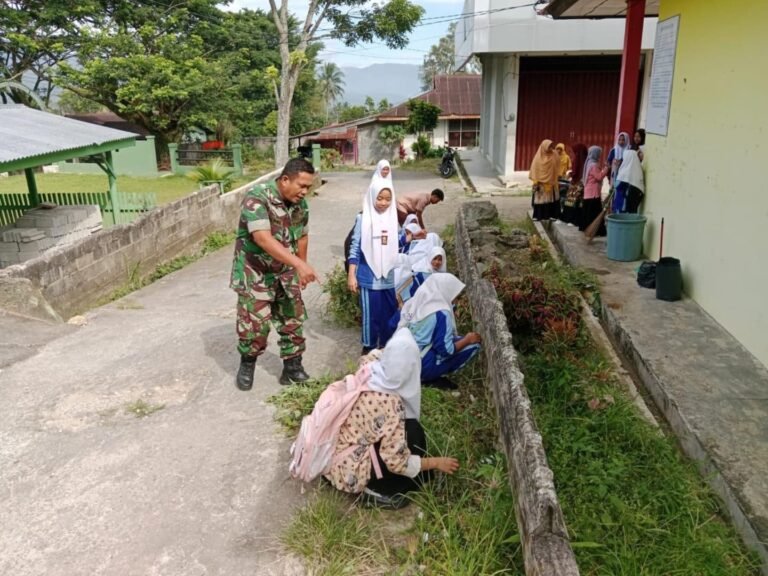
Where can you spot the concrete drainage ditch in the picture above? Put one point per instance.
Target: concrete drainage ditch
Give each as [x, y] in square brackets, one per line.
[544, 536]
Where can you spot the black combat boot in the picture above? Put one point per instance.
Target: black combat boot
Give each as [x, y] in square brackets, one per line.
[293, 372]
[244, 378]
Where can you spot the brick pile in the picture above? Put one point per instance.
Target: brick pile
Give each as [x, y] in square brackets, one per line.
[43, 228]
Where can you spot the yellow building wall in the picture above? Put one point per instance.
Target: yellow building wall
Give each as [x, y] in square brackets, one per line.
[708, 178]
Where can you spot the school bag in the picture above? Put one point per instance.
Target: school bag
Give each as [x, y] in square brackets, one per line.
[313, 451]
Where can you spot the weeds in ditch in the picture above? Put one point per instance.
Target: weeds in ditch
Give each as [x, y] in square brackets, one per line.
[462, 525]
[627, 493]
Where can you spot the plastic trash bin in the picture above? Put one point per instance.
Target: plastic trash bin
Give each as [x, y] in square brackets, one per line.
[669, 279]
[625, 236]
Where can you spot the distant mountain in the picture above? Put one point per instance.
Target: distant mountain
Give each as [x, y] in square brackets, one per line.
[395, 82]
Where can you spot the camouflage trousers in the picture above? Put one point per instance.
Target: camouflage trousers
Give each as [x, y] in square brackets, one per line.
[255, 316]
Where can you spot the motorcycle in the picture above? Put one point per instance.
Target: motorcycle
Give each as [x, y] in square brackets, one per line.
[447, 167]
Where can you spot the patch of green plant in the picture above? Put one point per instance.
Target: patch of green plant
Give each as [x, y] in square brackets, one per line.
[295, 402]
[336, 537]
[624, 487]
[142, 409]
[343, 306]
[463, 524]
[217, 240]
[214, 172]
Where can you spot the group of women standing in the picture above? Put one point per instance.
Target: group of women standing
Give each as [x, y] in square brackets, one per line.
[582, 180]
[407, 298]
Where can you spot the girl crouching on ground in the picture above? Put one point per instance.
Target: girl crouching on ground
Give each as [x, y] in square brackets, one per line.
[386, 418]
[429, 317]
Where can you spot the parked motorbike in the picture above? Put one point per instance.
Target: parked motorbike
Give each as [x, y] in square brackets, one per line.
[447, 167]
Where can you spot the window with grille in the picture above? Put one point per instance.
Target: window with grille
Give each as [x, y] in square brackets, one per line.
[463, 133]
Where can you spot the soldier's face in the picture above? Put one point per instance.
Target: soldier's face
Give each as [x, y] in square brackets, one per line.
[294, 188]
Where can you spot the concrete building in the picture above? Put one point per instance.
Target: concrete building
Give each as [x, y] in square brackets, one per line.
[544, 78]
[357, 142]
[703, 155]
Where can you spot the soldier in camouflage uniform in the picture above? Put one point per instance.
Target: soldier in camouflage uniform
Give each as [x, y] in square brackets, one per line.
[270, 270]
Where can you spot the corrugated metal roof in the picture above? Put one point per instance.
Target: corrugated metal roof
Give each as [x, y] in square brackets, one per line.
[458, 96]
[26, 133]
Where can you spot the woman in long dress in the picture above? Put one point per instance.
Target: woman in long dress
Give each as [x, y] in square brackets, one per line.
[544, 171]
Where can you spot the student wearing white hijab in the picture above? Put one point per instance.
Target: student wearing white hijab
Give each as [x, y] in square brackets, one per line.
[421, 248]
[429, 317]
[408, 277]
[386, 417]
[372, 258]
[631, 181]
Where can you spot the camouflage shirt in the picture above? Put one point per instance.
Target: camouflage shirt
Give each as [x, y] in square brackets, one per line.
[254, 271]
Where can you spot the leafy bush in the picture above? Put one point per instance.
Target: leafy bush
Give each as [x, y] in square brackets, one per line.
[215, 172]
[435, 152]
[421, 147]
[329, 158]
[530, 307]
[343, 306]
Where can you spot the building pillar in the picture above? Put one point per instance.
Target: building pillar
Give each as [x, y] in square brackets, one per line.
[237, 159]
[34, 199]
[173, 153]
[630, 67]
[109, 168]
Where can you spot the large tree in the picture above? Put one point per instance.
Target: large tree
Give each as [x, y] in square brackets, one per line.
[352, 22]
[170, 66]
[35, 35]
[330, 80]
[441, 59]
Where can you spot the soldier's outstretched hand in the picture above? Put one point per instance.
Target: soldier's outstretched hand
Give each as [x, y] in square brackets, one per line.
[307, 274]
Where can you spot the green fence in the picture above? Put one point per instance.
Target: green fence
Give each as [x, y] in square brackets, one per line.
[132, 204]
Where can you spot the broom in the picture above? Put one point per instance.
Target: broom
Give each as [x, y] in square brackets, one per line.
[592, 229]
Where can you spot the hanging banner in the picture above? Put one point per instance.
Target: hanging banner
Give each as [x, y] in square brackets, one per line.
[662, 74]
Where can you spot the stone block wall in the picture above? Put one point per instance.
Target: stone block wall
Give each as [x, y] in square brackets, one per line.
[41, 229]
[73, 278]
[546, 548]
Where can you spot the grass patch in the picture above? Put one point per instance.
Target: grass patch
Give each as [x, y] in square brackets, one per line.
[459, 525]
[142, 409]
[637, 505]
[166, 188]
[135, 280]
[343, 306]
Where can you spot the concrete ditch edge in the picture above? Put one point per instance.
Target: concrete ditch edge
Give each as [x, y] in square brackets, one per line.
[546, 547]
[686, 436]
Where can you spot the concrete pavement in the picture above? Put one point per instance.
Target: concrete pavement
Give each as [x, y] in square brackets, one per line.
[200, 486]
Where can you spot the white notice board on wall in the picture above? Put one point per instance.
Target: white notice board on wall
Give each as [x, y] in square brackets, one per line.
[662, 73]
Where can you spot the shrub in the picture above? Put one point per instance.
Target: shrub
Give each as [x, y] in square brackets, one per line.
[215, 172]
[530, 307]
[343, 306]
[421, 147]
[329, 158]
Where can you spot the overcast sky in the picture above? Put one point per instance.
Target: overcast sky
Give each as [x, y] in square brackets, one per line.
[422, 37]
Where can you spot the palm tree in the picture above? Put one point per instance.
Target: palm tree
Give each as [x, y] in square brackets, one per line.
[331, 81]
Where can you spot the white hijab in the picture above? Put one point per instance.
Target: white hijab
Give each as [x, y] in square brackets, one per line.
[411, 219]
[398, 371]
[631, 171]
[436, 294]
[425, 264]
[421, 248]
[377, 180]
[380, 256]
[402, 269]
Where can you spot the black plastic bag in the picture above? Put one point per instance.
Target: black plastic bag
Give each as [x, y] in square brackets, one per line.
[646, 274]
